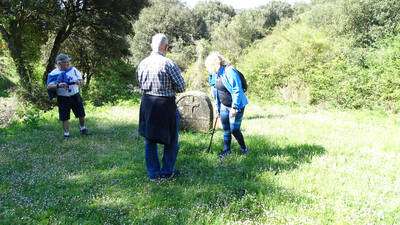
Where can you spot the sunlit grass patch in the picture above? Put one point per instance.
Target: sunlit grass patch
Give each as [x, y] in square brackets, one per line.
[306, 166]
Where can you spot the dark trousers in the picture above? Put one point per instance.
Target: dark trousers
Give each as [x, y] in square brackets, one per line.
[154, 169]
[231, 126]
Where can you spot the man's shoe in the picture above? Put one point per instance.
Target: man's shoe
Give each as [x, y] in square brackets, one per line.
[154, 180]
[244, 151]
[224, 154]
[84, 131]
[174, 174]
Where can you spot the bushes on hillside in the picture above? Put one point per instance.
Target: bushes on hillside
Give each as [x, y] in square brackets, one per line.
[291, 59]
[304, 65]
[231, 38]
[365, 21]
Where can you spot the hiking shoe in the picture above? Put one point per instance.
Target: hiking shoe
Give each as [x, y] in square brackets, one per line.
[84, 131]
[174, 174]
[244, 151]
[154, 179]
[224, 154]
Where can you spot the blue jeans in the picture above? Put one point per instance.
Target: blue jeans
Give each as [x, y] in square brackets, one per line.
[231, 126]
[169, 156]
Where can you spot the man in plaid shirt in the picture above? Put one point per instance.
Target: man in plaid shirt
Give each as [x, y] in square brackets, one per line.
[159, 80]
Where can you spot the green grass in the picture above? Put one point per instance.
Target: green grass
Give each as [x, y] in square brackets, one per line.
[306, 166]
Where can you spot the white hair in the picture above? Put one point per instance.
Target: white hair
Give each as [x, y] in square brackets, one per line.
[214, 61]
[158, 40]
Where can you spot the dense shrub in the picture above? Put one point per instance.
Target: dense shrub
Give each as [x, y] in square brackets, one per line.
[364, 21]
[305, 65]
[294, 64]
[383, 65]
[112, 84]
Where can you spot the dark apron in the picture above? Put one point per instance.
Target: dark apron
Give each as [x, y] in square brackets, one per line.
[157, 118]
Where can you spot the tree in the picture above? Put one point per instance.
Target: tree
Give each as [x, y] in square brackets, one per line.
[275, 11]
[96, 31]
[172, 18]
[24, 27]
[210, 13]
[231, 38]
[27, 26]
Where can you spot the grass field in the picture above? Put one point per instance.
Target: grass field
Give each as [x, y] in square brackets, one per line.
[306, 166]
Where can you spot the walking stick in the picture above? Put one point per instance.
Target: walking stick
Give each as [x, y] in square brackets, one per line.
[212, 134]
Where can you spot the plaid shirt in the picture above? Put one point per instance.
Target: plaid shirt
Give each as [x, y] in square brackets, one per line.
[160, 76]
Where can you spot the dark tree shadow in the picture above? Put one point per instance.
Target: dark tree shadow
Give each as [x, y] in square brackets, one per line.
[5, 86]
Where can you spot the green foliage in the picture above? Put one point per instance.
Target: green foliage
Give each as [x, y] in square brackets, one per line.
[172, 18]
[365, 21]
[304, 65]
[8, 75]
[113, 83]
[28, 27]
[101, 38]
[383, 65]
[210, 13]
[196, 75]
[283, 60]
[27, 115]
[231, 38]
[275, 11]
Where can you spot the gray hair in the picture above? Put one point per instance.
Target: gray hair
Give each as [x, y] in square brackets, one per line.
[158, 40]
[62, 58]
[214, 60]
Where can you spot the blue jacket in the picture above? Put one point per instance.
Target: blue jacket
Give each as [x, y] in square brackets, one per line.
[231, 81]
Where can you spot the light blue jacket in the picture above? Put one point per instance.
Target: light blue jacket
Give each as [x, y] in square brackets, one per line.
[232, 82]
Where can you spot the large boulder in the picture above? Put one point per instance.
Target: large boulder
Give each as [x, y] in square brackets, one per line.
[196, 111]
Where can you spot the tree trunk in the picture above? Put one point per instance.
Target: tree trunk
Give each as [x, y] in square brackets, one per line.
[88, 78]
[15, 45]
[62, 35]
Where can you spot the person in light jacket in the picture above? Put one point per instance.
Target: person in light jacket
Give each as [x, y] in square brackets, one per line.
[230, 99]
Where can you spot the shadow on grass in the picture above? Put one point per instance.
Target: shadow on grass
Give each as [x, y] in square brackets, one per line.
[101, 179]
[5, 86]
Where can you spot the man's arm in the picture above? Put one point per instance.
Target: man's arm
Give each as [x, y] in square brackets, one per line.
[52, 82]
[176, 77]
[79, 78]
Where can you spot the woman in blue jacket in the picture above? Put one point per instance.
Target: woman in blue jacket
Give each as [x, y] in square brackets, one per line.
[230, 99]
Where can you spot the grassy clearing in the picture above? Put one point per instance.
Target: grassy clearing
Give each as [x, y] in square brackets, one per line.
[306, 166]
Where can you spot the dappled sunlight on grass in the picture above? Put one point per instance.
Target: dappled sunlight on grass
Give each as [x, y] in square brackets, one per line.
[295, 172]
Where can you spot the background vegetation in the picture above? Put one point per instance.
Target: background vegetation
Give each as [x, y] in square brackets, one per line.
[331, 53]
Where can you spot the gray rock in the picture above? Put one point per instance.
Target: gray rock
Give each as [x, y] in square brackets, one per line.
[196, 111]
